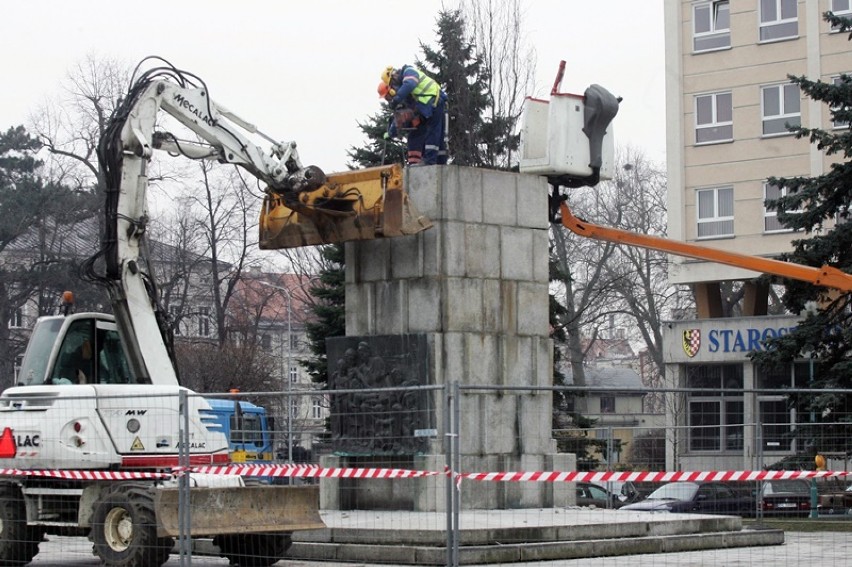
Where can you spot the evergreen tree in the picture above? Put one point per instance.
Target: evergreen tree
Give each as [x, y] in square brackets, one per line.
[330, 311]
[41, 220]
[819, 207]
[377, 151]
[456, 67]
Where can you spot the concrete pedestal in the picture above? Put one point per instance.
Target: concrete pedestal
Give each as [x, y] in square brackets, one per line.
[477, 286]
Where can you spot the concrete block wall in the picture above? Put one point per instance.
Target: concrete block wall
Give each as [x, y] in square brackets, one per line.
[481, 269]
[477, 285]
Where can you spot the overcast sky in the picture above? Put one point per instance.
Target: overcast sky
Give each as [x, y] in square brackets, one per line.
[307, 70]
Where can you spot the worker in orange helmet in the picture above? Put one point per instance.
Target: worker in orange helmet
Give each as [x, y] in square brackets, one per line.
[419, 106]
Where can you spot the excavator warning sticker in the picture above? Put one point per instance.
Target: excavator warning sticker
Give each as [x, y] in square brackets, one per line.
[137, 445]
[7, 444]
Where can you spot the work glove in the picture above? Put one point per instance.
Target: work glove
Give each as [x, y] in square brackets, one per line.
[386, 136]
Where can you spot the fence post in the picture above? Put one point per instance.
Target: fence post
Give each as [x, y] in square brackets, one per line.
[451, 433]
[814, 499]
[758, 500]
[184, 542]
[457, 469]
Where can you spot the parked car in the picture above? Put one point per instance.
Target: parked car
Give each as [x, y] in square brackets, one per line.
[589, 494]
[786, 497]
[628, 491]
[696, 497]
[834, 499]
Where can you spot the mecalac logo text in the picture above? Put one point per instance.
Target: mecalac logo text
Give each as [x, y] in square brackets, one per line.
[187, 105]
[691, 342]
[28, 440]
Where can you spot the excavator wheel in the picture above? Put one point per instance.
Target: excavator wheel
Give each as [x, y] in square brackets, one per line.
[124, 528]
[253, 550]
[18, 541]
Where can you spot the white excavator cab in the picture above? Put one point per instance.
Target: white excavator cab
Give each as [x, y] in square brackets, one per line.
[83, 348]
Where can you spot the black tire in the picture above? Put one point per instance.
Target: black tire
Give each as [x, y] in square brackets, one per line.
[124, 528]
[253, 550]
[18, 541]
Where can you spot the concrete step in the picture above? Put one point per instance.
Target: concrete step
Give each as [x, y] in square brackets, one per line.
[500, 552]
[506, 536]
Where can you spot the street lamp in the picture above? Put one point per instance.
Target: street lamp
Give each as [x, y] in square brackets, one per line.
[287, 375]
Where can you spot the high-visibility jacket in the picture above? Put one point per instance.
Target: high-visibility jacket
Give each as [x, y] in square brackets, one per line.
[423, 90]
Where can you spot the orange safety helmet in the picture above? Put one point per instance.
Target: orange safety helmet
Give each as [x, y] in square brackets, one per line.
[385, 91]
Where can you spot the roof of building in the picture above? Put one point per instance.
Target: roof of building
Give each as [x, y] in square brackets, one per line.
[265, 297]
[615, 378]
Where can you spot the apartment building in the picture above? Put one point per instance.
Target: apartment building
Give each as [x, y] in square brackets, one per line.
[729, 101]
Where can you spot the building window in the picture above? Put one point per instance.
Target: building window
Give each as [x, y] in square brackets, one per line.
[843, 215]
[294, 374]
[316, 408]
[18, 361]
[265, 342]
[17, 318]
[607, 404]
[780, 108]
[174, 314]
[294, 341]
[715, 407]
[203, 321]
[770, 218]
[776, 425]
[834, 109]
[714, 118]
[841, 8]
[294, 408]
[775, 415]
[778, 20]
[610, 450]
[711, 23]
[715, 212]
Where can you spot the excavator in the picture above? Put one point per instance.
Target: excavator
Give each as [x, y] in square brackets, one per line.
[98, 404]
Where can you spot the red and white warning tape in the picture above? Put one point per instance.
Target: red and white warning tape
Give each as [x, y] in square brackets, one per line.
[309, 471]
[694, 476]
[314, 471]
[86, 474]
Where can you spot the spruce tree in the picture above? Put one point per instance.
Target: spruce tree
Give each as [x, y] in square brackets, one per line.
[819, 208]
[377, 150]
[455, 65]
[330, 311]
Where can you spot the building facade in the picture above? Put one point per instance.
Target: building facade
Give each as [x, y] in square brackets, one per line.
[270, 310]
[729, 103]
[727, 413]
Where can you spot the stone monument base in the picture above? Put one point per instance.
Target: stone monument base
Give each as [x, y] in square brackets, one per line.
[428, 494]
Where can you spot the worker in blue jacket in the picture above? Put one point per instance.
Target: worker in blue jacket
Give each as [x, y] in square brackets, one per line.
[419, 106]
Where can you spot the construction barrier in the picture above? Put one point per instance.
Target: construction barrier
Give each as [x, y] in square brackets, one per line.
[313, 471]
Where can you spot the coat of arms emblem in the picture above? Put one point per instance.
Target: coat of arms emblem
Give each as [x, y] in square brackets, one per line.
[691, 342]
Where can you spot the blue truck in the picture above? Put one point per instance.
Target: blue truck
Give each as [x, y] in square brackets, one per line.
[246, 426]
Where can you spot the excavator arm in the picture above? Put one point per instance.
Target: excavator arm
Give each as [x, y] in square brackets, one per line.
[302, 206]
[826, 276]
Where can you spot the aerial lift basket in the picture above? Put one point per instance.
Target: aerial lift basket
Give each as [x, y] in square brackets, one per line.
[353, 205]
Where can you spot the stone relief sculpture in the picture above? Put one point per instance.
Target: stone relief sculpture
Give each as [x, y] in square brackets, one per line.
[377, 412]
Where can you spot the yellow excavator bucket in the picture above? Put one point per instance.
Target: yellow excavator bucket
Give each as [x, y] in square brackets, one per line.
[353, 205]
